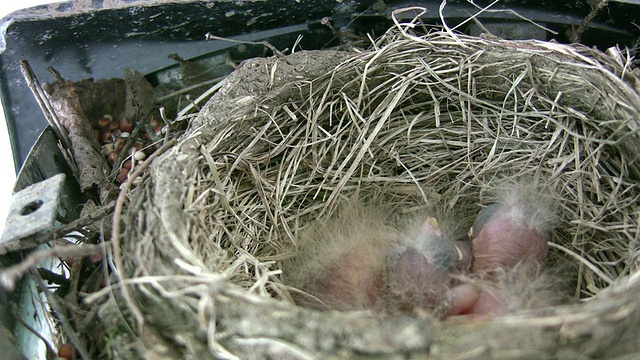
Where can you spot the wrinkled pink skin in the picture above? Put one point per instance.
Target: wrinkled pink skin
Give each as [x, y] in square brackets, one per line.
[416, 282]
[503, 237]
[413, 274]
[467, 299]
[355, 282]
[420, 275]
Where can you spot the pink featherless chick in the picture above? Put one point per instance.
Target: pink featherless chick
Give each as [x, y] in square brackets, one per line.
[358, 259]
[419, 269]
[514, 230]
[523, 287]
[509, 245]
[340, 262]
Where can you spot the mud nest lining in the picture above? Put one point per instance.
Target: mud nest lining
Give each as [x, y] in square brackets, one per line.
[434, 120]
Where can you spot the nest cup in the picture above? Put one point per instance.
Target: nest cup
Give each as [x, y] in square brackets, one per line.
[419, 121]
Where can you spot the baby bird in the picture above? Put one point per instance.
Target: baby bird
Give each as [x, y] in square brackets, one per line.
[419, 269]
[340, 262]
[509, 245]
[514, 230]
[508, 290]
[362, 259]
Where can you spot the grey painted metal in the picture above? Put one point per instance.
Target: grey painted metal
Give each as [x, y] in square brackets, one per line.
[33, 210]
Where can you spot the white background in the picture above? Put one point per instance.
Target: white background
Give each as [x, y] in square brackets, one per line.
[7, 169]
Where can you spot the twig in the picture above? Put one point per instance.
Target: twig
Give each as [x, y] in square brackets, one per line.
[115, 235]
[508, 11]
[210, 36]
[583, 25]
[35, 332]
[10, 275]
[200, 99]
[190, 88]
[43, 101]
[42, 98]
[326, 21]
[66, 326]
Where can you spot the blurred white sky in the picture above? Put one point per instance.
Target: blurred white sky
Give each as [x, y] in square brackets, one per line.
[6, 163]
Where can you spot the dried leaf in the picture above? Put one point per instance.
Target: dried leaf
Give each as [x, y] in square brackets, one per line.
[140, 95]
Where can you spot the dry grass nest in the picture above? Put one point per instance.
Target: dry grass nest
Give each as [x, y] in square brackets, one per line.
[433, 120]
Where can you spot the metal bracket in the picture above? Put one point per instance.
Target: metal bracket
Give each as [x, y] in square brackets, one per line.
[33, 211]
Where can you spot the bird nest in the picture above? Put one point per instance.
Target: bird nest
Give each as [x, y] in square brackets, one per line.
[432, 122]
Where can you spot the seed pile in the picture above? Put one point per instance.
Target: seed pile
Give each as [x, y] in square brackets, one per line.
[114, 134]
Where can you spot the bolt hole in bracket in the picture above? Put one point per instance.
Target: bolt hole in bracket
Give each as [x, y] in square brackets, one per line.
[33, 211]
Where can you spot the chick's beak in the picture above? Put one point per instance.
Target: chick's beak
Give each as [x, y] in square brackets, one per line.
[430, 227]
